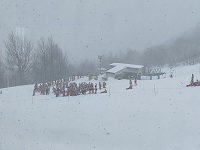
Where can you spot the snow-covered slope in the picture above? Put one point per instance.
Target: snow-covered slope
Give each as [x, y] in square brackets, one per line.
[154, 115]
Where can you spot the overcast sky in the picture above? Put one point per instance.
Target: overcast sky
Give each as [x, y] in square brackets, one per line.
[86, 28]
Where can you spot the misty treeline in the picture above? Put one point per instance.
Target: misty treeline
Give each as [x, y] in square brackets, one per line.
[184, 50]
[28, 62]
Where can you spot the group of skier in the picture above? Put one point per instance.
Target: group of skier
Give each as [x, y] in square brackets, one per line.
[83, 88]
[66, 88]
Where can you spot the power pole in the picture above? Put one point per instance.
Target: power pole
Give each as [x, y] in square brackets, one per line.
[8, 73]
[100, 57]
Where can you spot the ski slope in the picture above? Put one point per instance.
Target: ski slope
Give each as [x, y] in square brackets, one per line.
[154, 115]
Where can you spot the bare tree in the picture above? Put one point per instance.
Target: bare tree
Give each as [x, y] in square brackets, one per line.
[19, 53]
[50, 63]
[2, 73]
[86, 67]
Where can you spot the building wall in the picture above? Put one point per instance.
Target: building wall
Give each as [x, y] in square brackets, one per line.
[120, 73]
[142, 71]
[134, 70]
[108, 74]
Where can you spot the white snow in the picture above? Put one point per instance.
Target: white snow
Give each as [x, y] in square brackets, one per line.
[154, 115]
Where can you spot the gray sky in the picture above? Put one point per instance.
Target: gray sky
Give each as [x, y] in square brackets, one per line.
[86, 28]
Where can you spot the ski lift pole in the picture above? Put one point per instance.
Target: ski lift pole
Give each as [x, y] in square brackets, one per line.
[154, 89]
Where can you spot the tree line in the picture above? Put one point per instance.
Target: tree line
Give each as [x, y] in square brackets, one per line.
[25, 62]
[184, 50]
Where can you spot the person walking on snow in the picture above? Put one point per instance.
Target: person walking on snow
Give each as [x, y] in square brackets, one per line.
[135, 81]
[130, 85]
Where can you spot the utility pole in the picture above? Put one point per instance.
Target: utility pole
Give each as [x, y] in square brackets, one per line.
[100, 57]
[8, 72]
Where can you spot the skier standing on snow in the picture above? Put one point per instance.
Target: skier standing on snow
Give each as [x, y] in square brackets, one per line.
[104, 84]
[89, 88]
[130, 82]
[46, 89]
[130, 85]
[43, 89]
[100, 85]
[57, 90]
[34, 90]
[95, 89]
[192, 79]
[92, 88]
[135, 81]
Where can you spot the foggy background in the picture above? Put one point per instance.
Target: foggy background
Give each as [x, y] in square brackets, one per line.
[87, 28]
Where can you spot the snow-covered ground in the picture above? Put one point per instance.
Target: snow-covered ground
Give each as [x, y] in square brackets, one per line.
[154, 115]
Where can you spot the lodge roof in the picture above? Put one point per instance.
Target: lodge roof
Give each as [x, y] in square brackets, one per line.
[116, 69]
[119, 66]
[127, 65]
